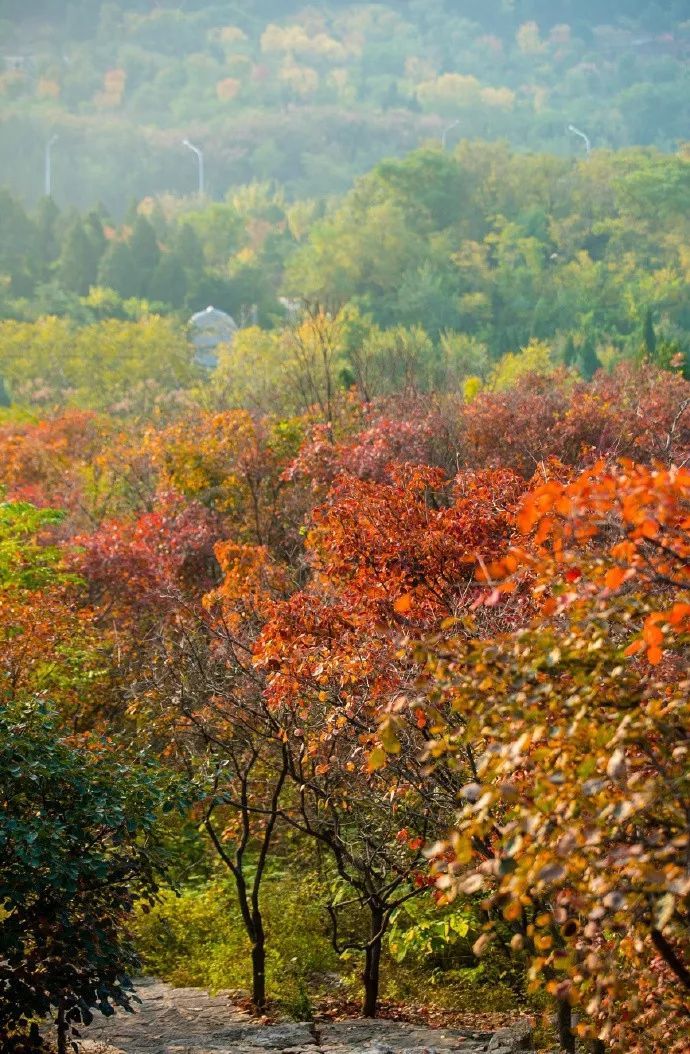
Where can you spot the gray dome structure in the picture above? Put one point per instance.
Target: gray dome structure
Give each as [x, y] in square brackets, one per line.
[209, 329]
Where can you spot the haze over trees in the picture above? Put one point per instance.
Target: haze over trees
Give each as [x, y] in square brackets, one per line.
[313, 96]
[347, 665]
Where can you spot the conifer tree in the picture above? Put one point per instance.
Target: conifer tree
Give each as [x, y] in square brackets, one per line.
[588, 360]
[168, 283]
[77, 265]
[117, 271]
[145, 253]
[569, 352]
[47, 248]
[189, 249]
[649, 336]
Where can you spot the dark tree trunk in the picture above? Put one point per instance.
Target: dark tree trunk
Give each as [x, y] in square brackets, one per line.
[259, 966]
[372, 964]
[564, 1020]
[62, 1030]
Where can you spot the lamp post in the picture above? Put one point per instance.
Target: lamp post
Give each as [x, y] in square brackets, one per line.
[450, 128]
[587, 141]
[49, 165]
[200, 158]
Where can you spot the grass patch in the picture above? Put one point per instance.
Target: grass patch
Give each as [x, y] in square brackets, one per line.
[197, 938]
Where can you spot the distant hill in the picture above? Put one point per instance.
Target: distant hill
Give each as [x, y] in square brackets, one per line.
[311, 96]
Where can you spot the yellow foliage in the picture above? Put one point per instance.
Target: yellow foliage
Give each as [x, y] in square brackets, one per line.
[106, 364]
[302, 79]
[284, 38]
[498, 98]
[529, 40]
[471, 388]
[294, 40]
[252, 370]
[232, 35]
[458, 88]
[535, 358]
[561, 35]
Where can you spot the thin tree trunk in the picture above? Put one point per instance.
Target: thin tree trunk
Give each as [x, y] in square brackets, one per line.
[259, 967]
[62, 1030]
[372, 964]
[564, 1019]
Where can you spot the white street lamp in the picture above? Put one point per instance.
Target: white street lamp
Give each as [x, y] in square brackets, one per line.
[200, 158]
[49, 165]
[450, 128]
[587, 141]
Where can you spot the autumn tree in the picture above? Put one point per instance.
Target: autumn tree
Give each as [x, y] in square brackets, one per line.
[234, 463]
[388, 560]
[51, 645]
[576, 823]
[196, 689]
[636, 411]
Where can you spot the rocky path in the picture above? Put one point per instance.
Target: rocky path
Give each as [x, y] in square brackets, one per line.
[189, 1021]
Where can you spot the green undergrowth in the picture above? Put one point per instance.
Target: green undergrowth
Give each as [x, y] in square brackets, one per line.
[196, 938]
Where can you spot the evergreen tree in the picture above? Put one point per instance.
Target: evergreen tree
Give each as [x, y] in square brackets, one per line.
[159, 222]
[569, 353]
[168, 283]
[209, 289]
[189, 250]
[16, 234]
[93, 226]
[588, 360]
[47, 248]
[78, 264]
[145, 254]
[5, 399]
[117, 271]
[649, 336]
[132, 213]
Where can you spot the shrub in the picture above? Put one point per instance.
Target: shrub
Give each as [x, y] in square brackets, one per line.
[77, 844]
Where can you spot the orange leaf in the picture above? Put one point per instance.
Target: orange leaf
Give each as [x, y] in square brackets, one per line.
[615, 577]
[545, 528]
[654, 656]
[403, 604]
[652, 635]
[678, 614]
[649, 529]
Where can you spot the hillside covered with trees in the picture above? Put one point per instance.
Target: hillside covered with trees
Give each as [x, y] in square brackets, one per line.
[311, 96]
[344, 653]
[464, 256]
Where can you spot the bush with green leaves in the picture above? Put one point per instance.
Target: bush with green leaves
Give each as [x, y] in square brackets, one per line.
[25, 562]
[198, 938]
[78, 849]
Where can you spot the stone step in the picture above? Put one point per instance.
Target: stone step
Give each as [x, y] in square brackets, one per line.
[190, 1021]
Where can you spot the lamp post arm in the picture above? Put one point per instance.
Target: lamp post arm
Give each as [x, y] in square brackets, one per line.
[200, 160]
[582, 135]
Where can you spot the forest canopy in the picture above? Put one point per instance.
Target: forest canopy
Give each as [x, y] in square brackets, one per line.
[311, 96]
[345, 522]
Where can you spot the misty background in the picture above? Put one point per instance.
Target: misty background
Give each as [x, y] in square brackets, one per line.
[313, 95]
